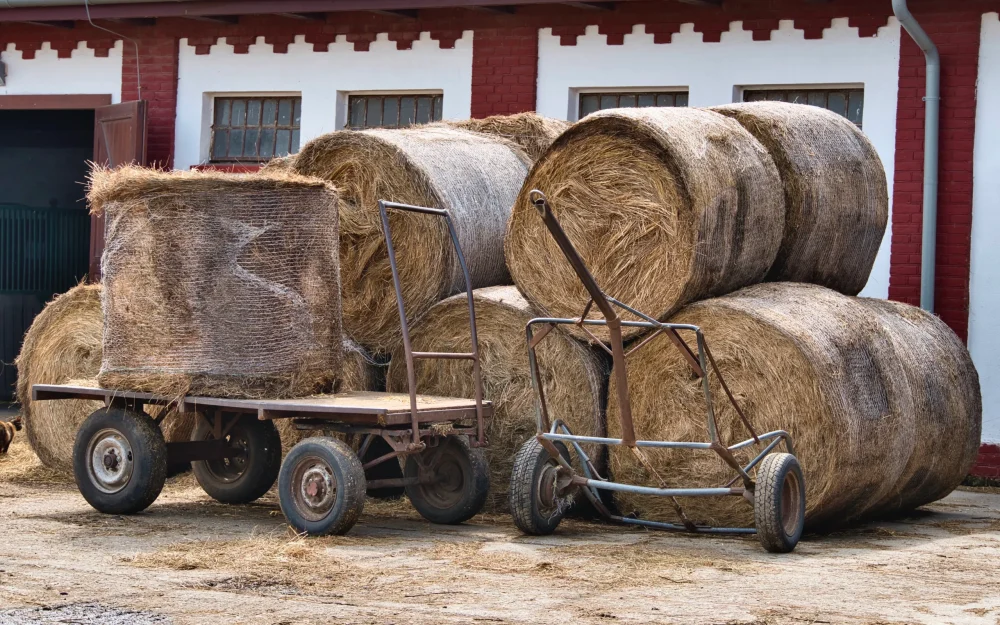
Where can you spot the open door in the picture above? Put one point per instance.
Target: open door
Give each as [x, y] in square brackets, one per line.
[119, 139]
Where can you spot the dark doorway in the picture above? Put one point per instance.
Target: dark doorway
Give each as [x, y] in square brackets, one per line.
[44, 225]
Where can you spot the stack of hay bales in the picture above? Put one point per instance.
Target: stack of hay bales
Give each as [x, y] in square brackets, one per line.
[63, 346]
[217, 284]
[675, 211]
[571, 373]
[475, 176]
[532, 132]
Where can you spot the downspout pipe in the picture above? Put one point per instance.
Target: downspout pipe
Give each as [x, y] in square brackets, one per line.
[932, 114]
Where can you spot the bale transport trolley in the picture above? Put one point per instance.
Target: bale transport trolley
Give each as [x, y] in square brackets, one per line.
[544, 482]
[120, 459]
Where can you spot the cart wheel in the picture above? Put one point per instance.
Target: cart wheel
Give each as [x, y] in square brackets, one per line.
[321, 487]
[454, 481]
[779, 503]
[535, 500]
[246, 477]
[119, 461]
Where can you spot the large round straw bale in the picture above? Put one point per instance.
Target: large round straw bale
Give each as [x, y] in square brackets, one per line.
[946, 422]
[281, 163]
[531, 131]
[475, 177]
[219, 284]
[800, 358]
[665, 205]
[63, 346]
[836, 198]
[571, 374]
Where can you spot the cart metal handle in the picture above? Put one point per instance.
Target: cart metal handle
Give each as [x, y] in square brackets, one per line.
[411, 376]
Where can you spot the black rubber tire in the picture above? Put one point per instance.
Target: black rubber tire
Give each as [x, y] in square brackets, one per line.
[246, 478]
[462, 481]
[525, 504]
[779, 503]
[334, 459]
[146, 461]
[387, 470]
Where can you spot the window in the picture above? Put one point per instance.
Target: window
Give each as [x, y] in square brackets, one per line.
[591, 102]
[392, 111]
[847, 102]
[255, 128]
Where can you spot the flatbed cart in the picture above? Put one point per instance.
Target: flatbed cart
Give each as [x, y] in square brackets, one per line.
[120, 458]
[545, 480]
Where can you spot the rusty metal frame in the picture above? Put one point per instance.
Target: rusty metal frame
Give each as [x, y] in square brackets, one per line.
[702, 364]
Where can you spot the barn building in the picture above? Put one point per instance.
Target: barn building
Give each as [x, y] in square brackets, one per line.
[228, 84]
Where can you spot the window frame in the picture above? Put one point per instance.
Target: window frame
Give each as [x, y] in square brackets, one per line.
[577, 94]
[812, 88]
[345, 99]
[212, 100]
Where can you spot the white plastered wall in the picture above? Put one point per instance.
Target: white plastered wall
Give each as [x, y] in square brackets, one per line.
[323, 79]
[984, 283]
[715, 73]
[47, 74]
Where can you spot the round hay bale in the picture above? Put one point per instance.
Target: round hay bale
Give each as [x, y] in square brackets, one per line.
[947, 417]
[532, 132]
[358, 372]
[836, 197]
[474, 176]
[665, 205]
[281, 163]
[571, 373]
[798, 357]
[63, 346]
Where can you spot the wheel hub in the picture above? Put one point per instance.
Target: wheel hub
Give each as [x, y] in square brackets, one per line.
[555, 489]
[316, 493]
[111, 461]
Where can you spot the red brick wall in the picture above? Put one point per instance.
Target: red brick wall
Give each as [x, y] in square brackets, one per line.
[956, 34]
[504, 71]
[988, 463]
[157, 69]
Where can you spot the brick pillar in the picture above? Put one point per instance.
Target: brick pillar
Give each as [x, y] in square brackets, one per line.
[957, 36]
[158, 72]
[504, 71]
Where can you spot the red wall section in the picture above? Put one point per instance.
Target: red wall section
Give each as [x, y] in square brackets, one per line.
[157, 68]
[504, 71]
[956, 33]
[988, 463]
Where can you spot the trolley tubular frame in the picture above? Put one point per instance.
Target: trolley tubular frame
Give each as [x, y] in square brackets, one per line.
[409, 354]
[701, 363]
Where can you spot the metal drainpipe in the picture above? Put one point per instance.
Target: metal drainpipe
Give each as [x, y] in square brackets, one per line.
[932, 108]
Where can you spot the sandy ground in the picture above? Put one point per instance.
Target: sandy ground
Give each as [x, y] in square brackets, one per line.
[191, 560]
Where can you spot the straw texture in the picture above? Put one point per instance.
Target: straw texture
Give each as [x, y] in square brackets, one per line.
[836, 197]
[218, 284]
[665, 205]
[474, 176]
[571, 373]
[532, 132]
[830, 369]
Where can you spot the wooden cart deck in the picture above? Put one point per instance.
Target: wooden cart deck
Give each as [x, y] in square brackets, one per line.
[358, 407]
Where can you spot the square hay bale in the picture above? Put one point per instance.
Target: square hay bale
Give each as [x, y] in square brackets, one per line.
[219, 284]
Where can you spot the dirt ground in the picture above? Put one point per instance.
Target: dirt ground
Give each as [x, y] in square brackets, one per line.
[190, 560]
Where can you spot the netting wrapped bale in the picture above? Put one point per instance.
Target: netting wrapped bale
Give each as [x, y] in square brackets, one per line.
[946, 422]
[218, 284]
[805, 359]
[63, 346]
[571, 373]
[531, 131]
[474, 176]
[665, 205]
[836, 198]
[358, 372]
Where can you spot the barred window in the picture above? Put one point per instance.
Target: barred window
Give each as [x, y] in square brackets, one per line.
[392, 111]
[255, 128]
[847, 102]
[591, 102]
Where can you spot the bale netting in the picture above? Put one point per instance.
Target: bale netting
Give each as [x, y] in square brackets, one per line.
[63, 346]
[358, 372]
[836, 197]
[798, 357]
[665, 205]
[572, 374]
[946, 421]
[531, 131]
[476, 177]
[218, 284]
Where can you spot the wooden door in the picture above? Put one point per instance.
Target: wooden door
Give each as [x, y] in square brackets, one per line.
[119, 139]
